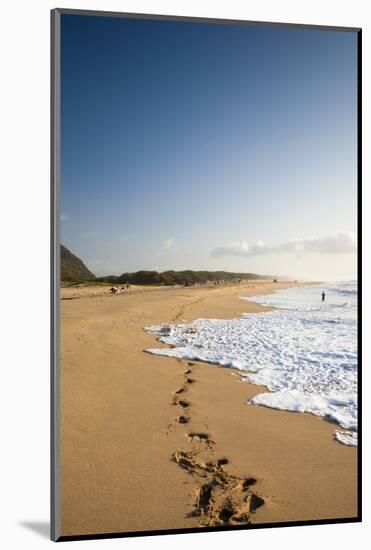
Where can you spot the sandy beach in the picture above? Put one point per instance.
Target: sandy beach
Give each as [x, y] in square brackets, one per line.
[144, 438]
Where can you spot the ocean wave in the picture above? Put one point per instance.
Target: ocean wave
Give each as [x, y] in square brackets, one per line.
[307, 358]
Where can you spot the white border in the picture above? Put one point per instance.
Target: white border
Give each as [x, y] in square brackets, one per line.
[24, 231]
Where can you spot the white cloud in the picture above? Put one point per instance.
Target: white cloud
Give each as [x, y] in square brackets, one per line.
[169, 243]
[341, 243]
[165, 247]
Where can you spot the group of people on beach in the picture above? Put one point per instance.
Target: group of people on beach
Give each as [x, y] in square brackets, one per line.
[117, 290]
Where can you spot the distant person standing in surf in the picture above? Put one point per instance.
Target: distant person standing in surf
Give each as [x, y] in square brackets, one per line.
[323, 296]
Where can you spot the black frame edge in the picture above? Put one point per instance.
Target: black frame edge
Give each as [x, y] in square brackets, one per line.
[195, 19]
[55, 272]
[162, 532]
[359, 262]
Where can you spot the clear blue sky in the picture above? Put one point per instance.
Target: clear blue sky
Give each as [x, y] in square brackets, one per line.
[186, 144]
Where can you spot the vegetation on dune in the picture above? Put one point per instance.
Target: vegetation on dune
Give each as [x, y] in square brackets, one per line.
[187, 277]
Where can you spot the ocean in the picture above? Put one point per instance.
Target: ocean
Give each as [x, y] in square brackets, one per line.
[304, 350]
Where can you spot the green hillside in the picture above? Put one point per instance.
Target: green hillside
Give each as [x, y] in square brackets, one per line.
[188, 277]
[72, 268]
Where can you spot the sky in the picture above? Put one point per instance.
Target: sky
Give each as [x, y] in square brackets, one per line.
[208, 146]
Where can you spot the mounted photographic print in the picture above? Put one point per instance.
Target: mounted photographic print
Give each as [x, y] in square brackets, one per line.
[205, 197]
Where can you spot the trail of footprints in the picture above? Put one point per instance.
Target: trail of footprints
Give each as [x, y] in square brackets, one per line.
[221, 498]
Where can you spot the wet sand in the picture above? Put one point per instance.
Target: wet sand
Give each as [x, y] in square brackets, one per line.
[151, 442]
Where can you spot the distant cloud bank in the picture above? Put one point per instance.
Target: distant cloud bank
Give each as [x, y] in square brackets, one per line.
[341, 243]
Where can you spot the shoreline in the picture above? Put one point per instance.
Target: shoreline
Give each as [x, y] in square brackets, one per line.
[84, 290]
[123, 443]
[184, 340]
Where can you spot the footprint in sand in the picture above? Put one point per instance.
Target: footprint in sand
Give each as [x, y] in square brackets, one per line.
[201, 437]
[181, 402]
[221, 498]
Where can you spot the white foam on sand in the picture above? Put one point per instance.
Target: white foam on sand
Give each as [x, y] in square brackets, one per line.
[305, 353]
[347, 438]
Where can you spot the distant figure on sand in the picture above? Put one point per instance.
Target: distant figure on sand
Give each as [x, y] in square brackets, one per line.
[323, 296]
[125, 287]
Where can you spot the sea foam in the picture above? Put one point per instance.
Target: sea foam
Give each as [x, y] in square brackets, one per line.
[304, 351]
